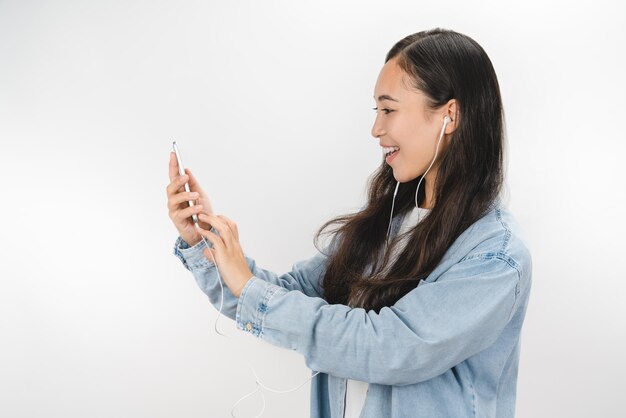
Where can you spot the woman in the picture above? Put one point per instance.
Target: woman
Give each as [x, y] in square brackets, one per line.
[419, 316]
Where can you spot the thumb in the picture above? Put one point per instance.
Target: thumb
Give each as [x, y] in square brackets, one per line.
[192, 179]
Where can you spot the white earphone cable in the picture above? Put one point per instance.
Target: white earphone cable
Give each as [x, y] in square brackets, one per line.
[258, 382]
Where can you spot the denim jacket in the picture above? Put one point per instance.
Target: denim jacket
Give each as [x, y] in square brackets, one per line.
[447, 349]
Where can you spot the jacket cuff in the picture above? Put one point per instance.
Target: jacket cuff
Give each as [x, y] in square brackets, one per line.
[192, 257]
[253, 304]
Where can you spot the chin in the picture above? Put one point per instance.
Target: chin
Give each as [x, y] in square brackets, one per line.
[403, 177]
[400, 177]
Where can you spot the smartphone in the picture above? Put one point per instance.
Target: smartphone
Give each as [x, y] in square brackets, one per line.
[181, 171]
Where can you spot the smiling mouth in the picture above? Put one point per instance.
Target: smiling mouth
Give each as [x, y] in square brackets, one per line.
[391, 156]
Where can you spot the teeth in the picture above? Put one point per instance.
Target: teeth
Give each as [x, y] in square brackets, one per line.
[387, 150]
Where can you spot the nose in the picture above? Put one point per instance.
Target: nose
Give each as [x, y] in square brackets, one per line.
[377, 128]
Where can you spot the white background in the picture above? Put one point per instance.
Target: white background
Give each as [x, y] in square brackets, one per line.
[271, 105]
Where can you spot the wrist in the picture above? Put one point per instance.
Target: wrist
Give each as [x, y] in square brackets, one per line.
[194, 242]
[237, 293]
[191, 241]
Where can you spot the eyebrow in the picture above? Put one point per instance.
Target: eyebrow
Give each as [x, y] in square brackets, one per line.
[386, 97]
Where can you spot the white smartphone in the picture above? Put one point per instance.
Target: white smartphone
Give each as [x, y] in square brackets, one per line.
[181, 171]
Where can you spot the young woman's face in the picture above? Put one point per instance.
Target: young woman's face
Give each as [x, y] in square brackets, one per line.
[402, 120]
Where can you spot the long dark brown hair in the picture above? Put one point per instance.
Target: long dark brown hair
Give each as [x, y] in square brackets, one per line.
[442, 64]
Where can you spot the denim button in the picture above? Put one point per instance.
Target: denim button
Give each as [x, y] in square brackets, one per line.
[249, 326]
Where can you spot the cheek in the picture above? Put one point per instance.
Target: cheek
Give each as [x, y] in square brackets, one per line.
[406, 127]
[417, 151]
[412, 140]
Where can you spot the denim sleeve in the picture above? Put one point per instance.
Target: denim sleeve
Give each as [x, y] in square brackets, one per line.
[304, 276]
[432, 328]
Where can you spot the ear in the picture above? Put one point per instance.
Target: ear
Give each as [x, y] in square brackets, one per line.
[452, 110]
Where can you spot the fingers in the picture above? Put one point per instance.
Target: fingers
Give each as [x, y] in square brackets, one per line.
[193, 183]
[226, 233]
[173, 166]
[215, 239]
[176, 185]
[187, 212]
[231, 224]
[192, 179]
[175, 201]
[174, 175]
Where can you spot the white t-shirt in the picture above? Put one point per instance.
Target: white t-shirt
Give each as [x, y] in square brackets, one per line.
[356, 390]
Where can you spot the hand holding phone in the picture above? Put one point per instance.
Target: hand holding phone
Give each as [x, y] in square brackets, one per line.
[182, 206]
[181, 171]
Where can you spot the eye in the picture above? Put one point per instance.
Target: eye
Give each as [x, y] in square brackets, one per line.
[387, 111]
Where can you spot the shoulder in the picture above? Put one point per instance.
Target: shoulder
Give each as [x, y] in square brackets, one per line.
[496, 235]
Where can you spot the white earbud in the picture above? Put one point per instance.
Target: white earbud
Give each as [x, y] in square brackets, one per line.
[446, 120]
